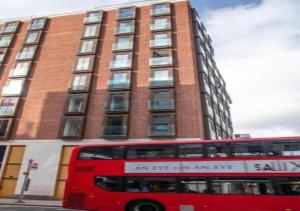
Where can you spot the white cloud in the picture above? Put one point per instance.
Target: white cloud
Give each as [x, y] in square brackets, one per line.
[258, 50]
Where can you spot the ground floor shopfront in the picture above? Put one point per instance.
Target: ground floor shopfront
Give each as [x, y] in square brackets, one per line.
[51, 158]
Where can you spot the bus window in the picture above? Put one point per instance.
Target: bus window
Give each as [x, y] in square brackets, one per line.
[159, 151]
[153, 184]
[245, 149]
[100, 153]
[191, 151]
[285, 148]
[218, 150]
[193, 185]
[253, 187]
[289, 186]
[109, 183]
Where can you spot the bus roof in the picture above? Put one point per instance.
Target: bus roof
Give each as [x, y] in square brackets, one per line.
[162, 142]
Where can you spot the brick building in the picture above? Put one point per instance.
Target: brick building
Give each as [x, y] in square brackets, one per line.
[134, 72]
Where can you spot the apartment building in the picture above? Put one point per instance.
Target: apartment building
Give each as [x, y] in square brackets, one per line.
[133, 72]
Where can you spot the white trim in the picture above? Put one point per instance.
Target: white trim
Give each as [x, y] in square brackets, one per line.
[106, 8]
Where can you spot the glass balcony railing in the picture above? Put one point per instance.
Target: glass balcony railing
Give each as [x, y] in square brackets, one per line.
[161, 81]
[161, 11]
[36, 26]
[123, 46]
[160, 42]
[93, 19]
[162, 130]
[25, 55]
[18, 72]
[160, 26]
[11, 29]
[4, 43]
[121, 64]
[124, 29]
[157, 61]
[7, 110]
[116, 107]
[114, 131]
[167, 104]
[118, 84]
[126, 15]
[9, 90]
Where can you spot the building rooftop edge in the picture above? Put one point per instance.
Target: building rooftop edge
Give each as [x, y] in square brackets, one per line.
[105, 7]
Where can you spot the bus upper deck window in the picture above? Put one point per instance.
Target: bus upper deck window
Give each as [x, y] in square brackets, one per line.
[191, 151]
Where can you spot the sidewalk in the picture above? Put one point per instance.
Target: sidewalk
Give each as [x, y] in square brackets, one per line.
[46, 203]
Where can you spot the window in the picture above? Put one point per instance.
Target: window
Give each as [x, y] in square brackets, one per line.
[162, 100]
[147, 152]
[161, 78]
[77, 103]
[21, 69]
[218, 150]
[244, 149]
[211, 131]
[208, 105]
[101, 153]
[109, 183]
[117, 102]
[88, 47]
[191, 151]
[5, 41]
[193, 185]
[125, 27]
[93, 17]
[27, 53]
[2, 54]
[162, 124]
[13, 87]
[161, 58]
[33, 37]
[154, 185]
[85, 64]
[10, 27]
[161, 9]
[91, 31]
[115, 125]
[8, 106]
[5, 127]
[119, 80]
[81, 83]
[38, 23]
[162, 39]
[160, 24]
[251, 187]
[72, 127]
[288, 186]
[123, 43]
[121, 61]
[284, 148]
[126, 13]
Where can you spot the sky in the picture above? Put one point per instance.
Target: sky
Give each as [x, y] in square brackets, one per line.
[257, 49]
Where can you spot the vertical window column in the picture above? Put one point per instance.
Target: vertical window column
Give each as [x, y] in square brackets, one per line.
[162, 117]
[117, 105]
[12, 92]
[72, 125]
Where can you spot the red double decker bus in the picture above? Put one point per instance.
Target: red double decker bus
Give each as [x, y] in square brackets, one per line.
[212, 175]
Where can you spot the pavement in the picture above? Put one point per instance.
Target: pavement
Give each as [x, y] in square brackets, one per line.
[45, 203]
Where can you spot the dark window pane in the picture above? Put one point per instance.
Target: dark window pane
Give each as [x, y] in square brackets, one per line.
[150, 152]
[99, 153]
[218, 150]
[247, 149]
[191, 151]
[109, 183]
[3, 126]
[151, 185]
[193, 185]
[289, 186]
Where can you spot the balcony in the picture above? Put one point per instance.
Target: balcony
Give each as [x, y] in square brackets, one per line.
[158, 105]
[122, 46]
[161, 61]
[118, 84]
[116, 107]
[161, 82]
[5, 30]
[36, 26]
[7, 110]
[160, 26]
[160, 43]
[161, 130]
[124, 30]
[121, 64]
[4, 43]
[25, 55]
[161, 11]
[93, 19]
[18, 72]
[111, 131]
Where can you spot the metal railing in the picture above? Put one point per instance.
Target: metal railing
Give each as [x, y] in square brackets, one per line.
[161, 81]
[18, 72]
[160, 26]
[161, 130]
[25, 55]
[122, 46]
[160, 42]
[118, 84]
[161, 61]
[121, 64]
[124, 29]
